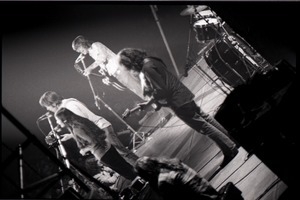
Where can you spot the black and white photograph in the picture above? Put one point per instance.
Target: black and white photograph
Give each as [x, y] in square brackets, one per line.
[149, 100]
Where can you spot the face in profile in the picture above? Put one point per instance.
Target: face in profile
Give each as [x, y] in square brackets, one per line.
[82, 50]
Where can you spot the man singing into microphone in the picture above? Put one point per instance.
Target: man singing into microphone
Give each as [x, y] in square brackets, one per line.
[52, 101]
[105, 59]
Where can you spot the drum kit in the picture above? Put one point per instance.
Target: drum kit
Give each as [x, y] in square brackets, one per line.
[227, 56]
[206, 23]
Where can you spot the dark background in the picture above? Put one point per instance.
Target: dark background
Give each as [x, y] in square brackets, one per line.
[37, 54]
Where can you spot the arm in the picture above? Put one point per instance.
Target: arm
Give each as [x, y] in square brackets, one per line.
[146, 104]
[154, 76]
[90, 68]
[83, 141]
[100, 54]
[141, 106]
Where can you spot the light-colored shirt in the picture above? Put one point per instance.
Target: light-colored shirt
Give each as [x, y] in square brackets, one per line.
[109, 62]
[101, 54]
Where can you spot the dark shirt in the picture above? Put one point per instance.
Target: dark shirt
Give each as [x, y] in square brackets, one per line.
[184, 184]
[165, 85]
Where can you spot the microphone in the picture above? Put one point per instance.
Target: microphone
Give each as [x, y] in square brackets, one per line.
[78, 68]
[79, 58]
[45, 116]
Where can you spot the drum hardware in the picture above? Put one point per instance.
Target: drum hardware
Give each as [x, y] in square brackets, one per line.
[187, 58]
[226, 62]
[207, 25]
[191, 9]
[228, 65]
[230, 57]
[256, 59]
[237, 46]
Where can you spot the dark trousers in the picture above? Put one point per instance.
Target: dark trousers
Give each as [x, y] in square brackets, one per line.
[203, 123]
[116, 162]
[128, 155]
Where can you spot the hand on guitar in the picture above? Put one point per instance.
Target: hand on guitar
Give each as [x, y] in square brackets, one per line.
[127, 112]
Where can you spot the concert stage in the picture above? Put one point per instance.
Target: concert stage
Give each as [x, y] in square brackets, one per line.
[248, 171]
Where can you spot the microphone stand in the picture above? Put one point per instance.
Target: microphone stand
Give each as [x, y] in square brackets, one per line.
[60, 151]
[91, 85]
[154, 9]
[97, 98]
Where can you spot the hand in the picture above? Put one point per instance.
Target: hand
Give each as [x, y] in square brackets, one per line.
[126, 113]
[78, 68]
[87, 71]
[50, 139]
[66, 137]
[106, 81]
[156, 107]
[84, 151]
[102, 72]
[142, 105]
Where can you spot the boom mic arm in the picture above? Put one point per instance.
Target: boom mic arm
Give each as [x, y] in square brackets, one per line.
[80, 58]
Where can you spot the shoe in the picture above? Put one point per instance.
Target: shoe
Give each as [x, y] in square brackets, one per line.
[228, 158]
[230, 192]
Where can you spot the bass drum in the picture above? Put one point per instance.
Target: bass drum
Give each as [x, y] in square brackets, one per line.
[228, 64]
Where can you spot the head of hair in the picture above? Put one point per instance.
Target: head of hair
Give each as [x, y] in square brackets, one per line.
[80, 41]
[149, 167]
[69, 118]
[50, 98]
[132, 58]
[65, 115]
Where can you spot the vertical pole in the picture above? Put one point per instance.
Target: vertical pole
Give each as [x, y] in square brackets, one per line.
[57, 155]
[21, 170]
[164, 39]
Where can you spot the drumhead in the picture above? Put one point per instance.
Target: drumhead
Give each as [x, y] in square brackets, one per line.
[203, 22]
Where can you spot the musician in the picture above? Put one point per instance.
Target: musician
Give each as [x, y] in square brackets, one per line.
[173, 179]
[104, 58]
[90, 138]
[164, 89]
[53, 101]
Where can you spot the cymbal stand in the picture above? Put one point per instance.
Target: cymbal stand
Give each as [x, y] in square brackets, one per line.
[135, 136]
[187, 61]
[201, 52]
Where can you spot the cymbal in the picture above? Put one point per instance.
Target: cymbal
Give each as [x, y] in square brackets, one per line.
[192, 9]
